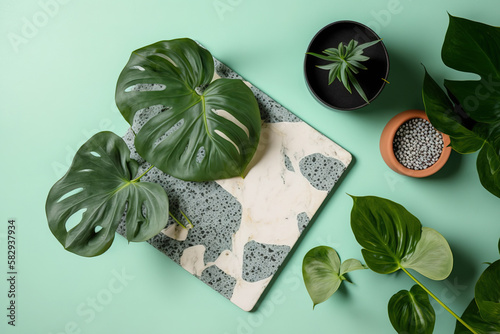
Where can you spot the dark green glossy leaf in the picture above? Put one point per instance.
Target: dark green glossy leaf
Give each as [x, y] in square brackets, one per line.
[471, 46]
[487, 293]
[101, 181]
[198, 135]
[488, 168]
[392, 238]
[472, 318]
[386, 231]
[411, 312]
[476, 97]
[323, 272]
[440, 111]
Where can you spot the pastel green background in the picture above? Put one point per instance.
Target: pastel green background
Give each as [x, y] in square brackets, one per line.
[57, 89]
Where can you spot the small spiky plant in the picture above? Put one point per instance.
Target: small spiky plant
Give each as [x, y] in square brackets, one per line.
[345, 63]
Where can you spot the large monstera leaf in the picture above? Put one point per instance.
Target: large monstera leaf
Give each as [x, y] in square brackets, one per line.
[471, 113]
[100, 182]
[392, 239]
[207, 130]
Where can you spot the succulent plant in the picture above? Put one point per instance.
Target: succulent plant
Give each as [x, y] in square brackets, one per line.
[345, 62]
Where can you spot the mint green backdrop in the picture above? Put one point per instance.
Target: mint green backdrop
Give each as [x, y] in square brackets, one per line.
[59, 62]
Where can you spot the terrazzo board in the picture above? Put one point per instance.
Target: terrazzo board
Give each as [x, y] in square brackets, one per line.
[243, 229]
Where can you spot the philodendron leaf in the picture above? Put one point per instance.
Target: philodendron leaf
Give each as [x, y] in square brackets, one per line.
[323, 272]
[197, 135]
[473, 318]
[101, 182]
[432, 257]
[487, 293]
[386, 231]
[392, 238]
[411, 312]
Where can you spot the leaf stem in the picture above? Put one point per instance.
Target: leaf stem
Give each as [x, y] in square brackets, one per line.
[139, 177]
[439, 301]
[177, 221]
[185, 217]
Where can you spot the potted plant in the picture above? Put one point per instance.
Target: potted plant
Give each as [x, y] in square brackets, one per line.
[346, 65]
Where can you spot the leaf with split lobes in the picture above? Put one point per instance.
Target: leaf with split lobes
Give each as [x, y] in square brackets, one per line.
[471, 114]
[101, 182]
[199, 136]
[473, 318]
[487, 293]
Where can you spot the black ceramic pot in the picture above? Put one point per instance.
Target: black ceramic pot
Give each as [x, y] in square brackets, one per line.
[336, 95]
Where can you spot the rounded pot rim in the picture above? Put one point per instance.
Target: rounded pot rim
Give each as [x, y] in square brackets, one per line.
[387, 151]
[382, 84]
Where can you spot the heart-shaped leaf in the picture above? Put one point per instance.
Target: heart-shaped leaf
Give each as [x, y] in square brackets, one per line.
[392, 238]
[386, 231]
[473, 318]
[432, 257]
[197, 136]
[411, 312]
[487, 293]
[323, 272]
[101, 181]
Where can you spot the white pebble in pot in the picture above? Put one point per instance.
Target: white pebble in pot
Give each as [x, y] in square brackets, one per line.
[417, 144]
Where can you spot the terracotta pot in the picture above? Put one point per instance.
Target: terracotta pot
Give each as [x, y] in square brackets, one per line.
[386, 148]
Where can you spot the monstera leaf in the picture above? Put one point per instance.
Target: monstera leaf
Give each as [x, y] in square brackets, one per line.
[471, 113]
[483, 312]
[206, 129]
[487, 293]
[393, 239]
[411, 312]
[473, 318]
[100, 182]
